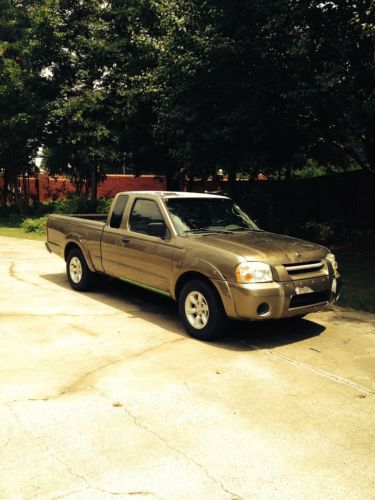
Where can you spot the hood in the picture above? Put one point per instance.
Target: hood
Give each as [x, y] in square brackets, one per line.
[266, 247]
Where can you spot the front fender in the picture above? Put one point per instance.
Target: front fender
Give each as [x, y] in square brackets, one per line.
[209, 270]
[197, 266]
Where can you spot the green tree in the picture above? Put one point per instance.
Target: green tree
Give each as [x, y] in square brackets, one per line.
[131, 59]
[324, 53]
[185, 85]
[23, 96]
[254, 85]
[218, 89]
[71, 42]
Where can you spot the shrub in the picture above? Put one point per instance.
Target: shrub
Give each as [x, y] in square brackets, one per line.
[74, 204]
[4, 212]
[35, 225]
[38, 209]
[103, 206]
[320, 232]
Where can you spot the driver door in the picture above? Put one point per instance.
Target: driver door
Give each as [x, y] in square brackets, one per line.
[140, 256]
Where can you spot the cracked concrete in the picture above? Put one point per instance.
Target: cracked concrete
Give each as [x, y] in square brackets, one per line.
[74, 386]
[103, 395]
[306, 366]
[180, 452]
[92, 493]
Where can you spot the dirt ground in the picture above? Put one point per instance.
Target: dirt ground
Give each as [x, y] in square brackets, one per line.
[104, 395]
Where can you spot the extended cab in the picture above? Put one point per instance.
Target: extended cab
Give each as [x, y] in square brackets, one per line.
[204, 252]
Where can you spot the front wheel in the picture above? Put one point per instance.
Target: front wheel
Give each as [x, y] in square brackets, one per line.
[79, 275]
[201, 310]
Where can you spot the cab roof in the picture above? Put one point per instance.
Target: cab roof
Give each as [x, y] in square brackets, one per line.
[174, 194]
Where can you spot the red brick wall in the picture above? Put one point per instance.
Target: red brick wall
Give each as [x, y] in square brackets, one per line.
[115, 183]
[52, 189]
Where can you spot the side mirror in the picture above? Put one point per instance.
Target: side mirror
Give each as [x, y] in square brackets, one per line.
[158, 229]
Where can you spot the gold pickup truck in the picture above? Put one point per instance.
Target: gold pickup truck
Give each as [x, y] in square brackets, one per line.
[204, 252]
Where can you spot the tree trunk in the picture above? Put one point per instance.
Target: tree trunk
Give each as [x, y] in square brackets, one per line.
[37, 188]
[94, 185]
[232, 180]
[190, 182]
[25, 190]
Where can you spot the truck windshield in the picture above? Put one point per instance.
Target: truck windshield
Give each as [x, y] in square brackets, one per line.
[208, 215]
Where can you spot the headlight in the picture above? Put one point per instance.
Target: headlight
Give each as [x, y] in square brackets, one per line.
[253, 272]
[332, 259]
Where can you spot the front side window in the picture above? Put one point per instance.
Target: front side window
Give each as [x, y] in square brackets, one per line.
[144, 213]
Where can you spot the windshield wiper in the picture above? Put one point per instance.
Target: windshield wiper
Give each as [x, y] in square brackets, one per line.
[207, 229]
[246, 229]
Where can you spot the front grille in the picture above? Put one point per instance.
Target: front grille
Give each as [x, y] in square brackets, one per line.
[308, 299]
[304, 267]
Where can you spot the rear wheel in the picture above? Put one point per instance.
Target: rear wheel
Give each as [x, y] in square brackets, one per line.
[79, 275]
[201, 310]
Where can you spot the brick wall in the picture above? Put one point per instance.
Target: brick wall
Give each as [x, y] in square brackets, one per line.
[115, 183]
[51, 188]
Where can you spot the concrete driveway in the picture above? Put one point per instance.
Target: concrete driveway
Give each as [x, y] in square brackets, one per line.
[103, 395]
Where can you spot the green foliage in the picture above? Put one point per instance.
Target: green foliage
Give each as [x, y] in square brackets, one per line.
[31, 225]
[319, 232]
[184, 86]
[71, 41]
[103, 205]
[357, 266]
[269, 89]
[313, 169]
[39, 209]
[23, 97]
[326, 55]
[74, 204]
[333, 232]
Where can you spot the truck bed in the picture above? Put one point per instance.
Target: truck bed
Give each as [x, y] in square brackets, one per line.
[87, 228]
[97, 217]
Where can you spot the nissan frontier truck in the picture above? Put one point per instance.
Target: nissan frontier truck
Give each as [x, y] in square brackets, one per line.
[204, 252]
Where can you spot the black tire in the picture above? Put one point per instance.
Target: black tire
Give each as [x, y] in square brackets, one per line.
[207, 319]
[79, 275]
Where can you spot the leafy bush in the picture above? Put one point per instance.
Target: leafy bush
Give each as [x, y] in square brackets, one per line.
[35, 225]
[103, 206]
[38, 209]
[259, 204]
[74, 204]
[4, 212]
[320, 232]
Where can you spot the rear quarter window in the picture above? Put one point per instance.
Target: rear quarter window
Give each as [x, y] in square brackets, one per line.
[118, 211]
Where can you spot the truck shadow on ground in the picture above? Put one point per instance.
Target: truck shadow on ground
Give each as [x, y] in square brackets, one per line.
[150, 306]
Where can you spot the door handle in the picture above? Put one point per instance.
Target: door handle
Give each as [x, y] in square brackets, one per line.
[124, 241]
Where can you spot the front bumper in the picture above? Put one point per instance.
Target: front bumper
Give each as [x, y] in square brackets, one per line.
[283, 299]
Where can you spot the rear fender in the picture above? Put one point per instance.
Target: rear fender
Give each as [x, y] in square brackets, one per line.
[74, 238]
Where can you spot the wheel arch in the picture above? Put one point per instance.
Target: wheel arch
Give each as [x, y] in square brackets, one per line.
[71, 245]
[213, 309]
[189, 276]
[220, 287]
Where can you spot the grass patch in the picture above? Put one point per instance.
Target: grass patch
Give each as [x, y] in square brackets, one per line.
[357, 268]
[12, 226]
